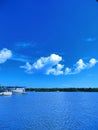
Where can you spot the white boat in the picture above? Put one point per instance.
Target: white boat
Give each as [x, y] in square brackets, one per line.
[7, 93]
[0, 93]
[18, 90]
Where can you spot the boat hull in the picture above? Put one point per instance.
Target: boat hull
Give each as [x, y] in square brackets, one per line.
[1, 94]
[7, 93]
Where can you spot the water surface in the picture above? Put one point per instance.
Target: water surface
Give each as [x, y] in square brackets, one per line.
[49, 111]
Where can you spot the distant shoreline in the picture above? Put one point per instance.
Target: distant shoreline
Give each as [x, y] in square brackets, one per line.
[74, 89]
[62, 89]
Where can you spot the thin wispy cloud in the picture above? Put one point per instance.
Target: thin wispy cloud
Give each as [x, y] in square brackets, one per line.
[52, 65]
[25, 45]
[90, 39]
[21, 58]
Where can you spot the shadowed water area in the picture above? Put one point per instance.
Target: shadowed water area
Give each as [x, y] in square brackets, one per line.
[49, 111]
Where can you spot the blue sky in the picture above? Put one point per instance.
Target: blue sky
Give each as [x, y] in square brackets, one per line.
[49, 43]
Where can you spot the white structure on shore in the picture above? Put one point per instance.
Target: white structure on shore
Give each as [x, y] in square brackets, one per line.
[19, 90]
[8, 91]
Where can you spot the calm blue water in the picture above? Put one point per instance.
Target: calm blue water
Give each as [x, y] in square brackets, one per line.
[49, 111]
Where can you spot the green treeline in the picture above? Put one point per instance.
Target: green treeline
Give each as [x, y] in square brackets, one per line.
[62, 89]
[55, 89]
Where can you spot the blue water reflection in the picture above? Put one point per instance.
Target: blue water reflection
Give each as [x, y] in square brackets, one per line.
[49, 111]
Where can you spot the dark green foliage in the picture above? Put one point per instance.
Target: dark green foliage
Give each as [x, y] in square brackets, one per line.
[62, 89]
[55, 89]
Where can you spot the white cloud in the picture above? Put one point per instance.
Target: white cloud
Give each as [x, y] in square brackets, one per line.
[53, 59]
[28, 66]
[56, 71]
[5, 54]
[80, 65]
[51, 65]
[46, 65]
[67, 70]
[92, 62]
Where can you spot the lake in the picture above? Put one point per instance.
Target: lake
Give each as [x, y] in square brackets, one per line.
[49, 111]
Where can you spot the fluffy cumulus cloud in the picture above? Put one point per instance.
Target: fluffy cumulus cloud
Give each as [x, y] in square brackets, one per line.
[92, 62]
[46, 65]
[80, 65]
[56, 71]
[5, 54]
[52, 65]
